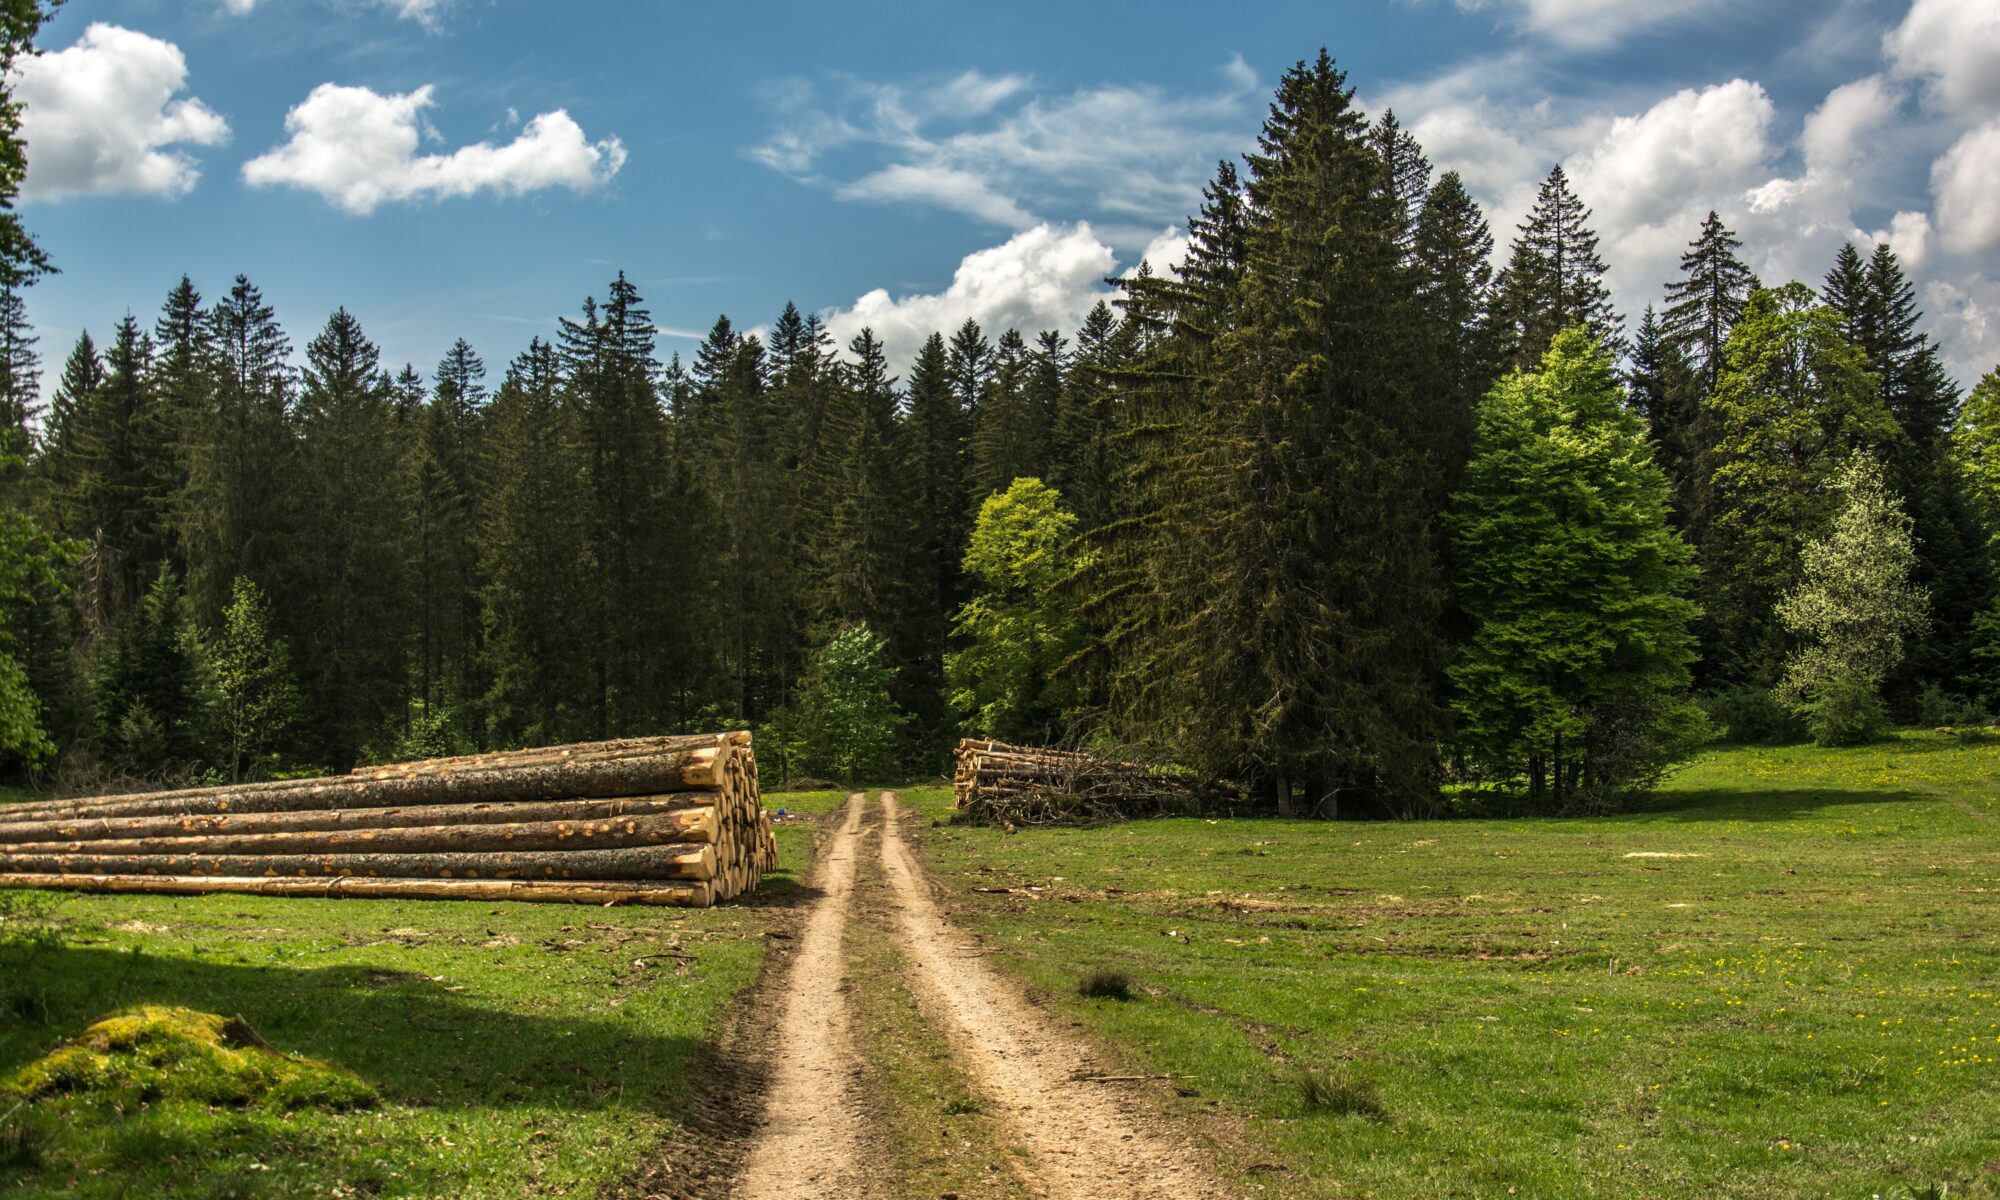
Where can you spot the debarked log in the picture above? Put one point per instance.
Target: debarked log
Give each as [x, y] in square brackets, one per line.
[683, 861]
[79, 829]
[686, 825]
[683, 894]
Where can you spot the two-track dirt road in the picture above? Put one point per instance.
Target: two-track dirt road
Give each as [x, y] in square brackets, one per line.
[1077, 1140]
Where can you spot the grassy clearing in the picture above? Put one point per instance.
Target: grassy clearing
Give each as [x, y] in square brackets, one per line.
[507, 1049]
[1784, 981]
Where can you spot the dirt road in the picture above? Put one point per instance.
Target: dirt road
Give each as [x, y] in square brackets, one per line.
[1079, 1140]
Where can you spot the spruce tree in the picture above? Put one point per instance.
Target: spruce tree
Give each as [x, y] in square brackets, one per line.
[1453, 275]
[1705, 303]
[532, 565]
[152, 688]
[1554, 278]
[935, 440]
[1573, 680]
[1409, 176]
[349, 566]
[20, 387]
[237, 510]
[1664, 391]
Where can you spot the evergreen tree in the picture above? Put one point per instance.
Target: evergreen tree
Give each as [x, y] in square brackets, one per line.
[237, 510]
[1452, 266]
[935, 442]
[59, 463]
[1409, 183]
[1793, 402]
[20, 386]
[1009, 432]
[1078, 465]
[152, 687]
[1664, 391]
[1554, 278]
[349, 565]
[1853, 610]
[183, 379]
[439, 513]
[33, 566]
[256, 698]
[1705, 303]
[1575, 674]
[531, 560]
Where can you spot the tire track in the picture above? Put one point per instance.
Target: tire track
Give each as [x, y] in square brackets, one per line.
[1086, 1143]
[808, 1147]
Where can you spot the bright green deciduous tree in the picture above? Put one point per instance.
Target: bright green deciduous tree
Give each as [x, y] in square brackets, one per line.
[1975, 448]
[1853, 611]
[252, 670]
[845, 722]
[1016, 630]
[1575, 673]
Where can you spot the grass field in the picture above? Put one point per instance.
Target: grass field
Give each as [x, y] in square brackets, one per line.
[1783, 981]
[516, 1048]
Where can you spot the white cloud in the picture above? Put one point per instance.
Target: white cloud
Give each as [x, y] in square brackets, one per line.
[994, 149]
[424, 12]
[1661, 169]
[1047, 277]
[1966, 185]
[936, 183]
[1954, 46]
[1591, 24]
[357, 149]
[1165, 253]
[100, 118]
[1837, 133]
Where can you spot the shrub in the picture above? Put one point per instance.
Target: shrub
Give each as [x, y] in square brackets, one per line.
[1845, 712]
[1750, 715]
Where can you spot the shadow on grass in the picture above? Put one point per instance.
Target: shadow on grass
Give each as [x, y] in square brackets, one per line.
[407, 1034]
[1774, 804]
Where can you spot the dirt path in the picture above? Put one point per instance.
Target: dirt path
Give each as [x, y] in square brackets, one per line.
[1078, 1140]
[809, 1145]
[1087, 1141]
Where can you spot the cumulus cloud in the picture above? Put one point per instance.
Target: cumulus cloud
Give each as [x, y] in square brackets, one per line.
[1954, 47]
[1046, 277]
[1966, 185]
[995, 149]
[357, 149]
[101, 118]
[1838, 131]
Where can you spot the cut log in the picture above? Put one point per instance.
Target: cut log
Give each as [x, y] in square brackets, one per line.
[687, 825]
[78, 829]
[681, 861]
[643, 774]
[600, 892]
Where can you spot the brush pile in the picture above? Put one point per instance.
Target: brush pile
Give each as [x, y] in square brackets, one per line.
[664, 820]
[999, 784]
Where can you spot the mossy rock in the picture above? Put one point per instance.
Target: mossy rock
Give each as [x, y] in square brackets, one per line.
[153, 1053]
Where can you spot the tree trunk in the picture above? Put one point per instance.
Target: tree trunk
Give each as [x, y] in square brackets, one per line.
[679, 861]
[430, 815]
[674, 894]
[687, 825]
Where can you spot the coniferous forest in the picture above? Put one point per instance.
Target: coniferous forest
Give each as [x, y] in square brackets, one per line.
[1365, 505]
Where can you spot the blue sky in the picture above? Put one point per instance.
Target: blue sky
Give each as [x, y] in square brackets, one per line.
[477, 167]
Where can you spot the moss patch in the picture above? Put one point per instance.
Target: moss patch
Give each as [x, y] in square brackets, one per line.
[153, 1053]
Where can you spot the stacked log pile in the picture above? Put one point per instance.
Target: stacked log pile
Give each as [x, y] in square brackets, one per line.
[999, 784]
[667, 820]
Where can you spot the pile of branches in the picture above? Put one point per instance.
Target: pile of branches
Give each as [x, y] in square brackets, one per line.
[999, 784]
[662, 820]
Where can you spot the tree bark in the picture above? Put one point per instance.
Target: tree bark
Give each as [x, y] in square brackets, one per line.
[672, 894]
[680, 861]
[660, 829]
[430, 815]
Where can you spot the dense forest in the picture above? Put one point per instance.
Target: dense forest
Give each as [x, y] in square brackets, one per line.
[1342, 507]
